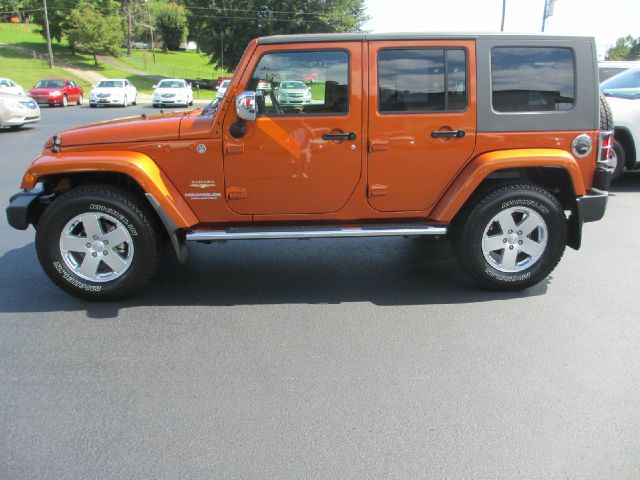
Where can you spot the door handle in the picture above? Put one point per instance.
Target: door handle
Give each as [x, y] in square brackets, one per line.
[448, 134]
[339, 136]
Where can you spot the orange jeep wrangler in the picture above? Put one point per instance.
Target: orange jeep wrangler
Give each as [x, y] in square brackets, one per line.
[492, 140]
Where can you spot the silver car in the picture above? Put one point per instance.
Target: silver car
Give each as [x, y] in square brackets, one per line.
[17, 110]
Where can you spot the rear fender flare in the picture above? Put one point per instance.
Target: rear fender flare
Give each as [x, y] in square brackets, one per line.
[485, 164]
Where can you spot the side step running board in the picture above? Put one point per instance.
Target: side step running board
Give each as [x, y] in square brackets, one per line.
[311, 232]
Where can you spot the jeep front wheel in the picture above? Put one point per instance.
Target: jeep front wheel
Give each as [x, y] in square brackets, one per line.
[513, 238]
[97, 242]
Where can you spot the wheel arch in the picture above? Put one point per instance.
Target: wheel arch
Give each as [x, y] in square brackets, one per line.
[624, 137]
[133, 171]
[555, 170]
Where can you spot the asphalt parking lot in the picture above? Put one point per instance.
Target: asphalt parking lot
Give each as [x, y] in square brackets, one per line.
[328, 359]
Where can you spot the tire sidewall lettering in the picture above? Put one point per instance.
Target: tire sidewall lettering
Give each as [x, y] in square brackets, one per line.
[96, 207]
[525, 202]
[74, 281]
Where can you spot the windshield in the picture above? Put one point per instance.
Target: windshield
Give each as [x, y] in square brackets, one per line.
[50, 84]
[225, 84]
[293, 85]
[627, 84]
[110, 84]
[212, 108]
[171, 84]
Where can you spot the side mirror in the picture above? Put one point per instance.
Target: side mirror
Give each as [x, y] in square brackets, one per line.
[154, 87]
[246, 106]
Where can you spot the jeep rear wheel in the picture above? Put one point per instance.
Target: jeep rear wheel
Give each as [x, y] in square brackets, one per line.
[513, 238]
[97, 242]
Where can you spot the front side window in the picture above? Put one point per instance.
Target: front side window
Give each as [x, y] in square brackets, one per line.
[422, 80]
[532, 79]
[313, 82]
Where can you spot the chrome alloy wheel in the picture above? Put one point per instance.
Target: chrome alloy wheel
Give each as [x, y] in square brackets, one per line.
[514, 239]
[96, 247]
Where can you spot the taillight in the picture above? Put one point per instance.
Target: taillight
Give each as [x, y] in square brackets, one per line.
[606, 144]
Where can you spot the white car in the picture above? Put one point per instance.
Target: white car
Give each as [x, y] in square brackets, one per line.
[623, 95]
[9, 86]
[117, 91]
[172, 91]
[222, 89]
[293, 93]
[17, 110]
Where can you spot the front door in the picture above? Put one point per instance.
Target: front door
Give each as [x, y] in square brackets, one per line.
[303, 153]
[422, 120]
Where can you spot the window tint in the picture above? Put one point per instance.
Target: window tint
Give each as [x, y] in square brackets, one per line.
[302, 83]
[532, 79]
[422, 80]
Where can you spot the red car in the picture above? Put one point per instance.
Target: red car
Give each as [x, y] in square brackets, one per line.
[57, 91]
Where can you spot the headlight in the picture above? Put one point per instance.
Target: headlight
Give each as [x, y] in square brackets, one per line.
[56, 93]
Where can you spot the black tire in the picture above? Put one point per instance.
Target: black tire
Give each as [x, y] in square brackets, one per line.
[469, 231]
[617, 152]
[92, 105]
[15, 127]
[606, 117]
[80, 100]
[105, 201]
[135, 100]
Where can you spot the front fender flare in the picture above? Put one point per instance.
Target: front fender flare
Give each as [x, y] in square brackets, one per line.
[138, 166]
[485, 164]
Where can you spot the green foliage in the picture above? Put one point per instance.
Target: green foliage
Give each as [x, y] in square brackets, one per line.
[626, 48]
[228, 25]
[91, 31]
[171, 21]
[59, 12]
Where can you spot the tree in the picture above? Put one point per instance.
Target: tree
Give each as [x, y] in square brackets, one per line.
[626, 48]
[227, 27]
[93, 32]
[171, 21]
[57, 11]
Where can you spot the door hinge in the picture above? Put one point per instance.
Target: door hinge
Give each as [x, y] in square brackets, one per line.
[377, 190]
[231, 148]
[236, 193]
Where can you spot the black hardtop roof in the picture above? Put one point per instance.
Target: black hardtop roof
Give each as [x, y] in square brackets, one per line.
[365, 37]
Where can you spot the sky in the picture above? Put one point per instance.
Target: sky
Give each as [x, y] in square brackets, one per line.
[606, 20]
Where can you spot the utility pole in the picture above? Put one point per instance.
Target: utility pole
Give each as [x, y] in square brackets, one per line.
[129, 27]
[222, 48]
[504, 7]
[48, 35]
[548, 11]
[153, 46]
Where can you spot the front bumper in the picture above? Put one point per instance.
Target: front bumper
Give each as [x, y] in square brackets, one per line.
[106, 101]
[21, 207]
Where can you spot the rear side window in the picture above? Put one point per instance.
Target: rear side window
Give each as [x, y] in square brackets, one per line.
[532, 79]
[422, 80]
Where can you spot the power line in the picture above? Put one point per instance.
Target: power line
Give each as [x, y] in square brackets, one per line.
[21, 10]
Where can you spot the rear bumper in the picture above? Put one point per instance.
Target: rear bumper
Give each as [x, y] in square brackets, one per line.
[19, 211]
[591, 207]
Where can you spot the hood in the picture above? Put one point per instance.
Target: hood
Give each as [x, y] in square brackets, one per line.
[43, 91]
[12, 96]
[125, 130]
[111, 90]
[177, 91]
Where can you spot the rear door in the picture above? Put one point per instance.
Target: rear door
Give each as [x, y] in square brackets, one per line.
[422, 120]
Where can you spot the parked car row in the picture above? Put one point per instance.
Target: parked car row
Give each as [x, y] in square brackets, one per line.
[18, 109]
